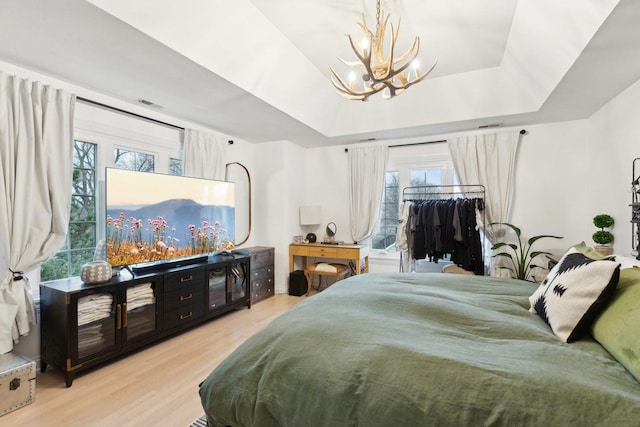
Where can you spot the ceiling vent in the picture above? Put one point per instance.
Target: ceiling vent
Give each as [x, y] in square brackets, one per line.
[492, 125]
[150, 104]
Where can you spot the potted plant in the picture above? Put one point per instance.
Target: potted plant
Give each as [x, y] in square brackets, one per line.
[603, 238]
[521, 255]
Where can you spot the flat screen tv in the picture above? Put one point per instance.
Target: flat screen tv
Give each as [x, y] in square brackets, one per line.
[154, 218]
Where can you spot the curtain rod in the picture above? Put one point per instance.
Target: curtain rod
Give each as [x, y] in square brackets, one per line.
[129, 113]
[346, 150]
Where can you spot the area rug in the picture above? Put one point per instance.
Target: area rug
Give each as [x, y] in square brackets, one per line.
[200, 422]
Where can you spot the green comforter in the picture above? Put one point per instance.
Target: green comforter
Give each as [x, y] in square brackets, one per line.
[417, 350]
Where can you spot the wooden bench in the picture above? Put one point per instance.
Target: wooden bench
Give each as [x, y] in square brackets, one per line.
[338, 271]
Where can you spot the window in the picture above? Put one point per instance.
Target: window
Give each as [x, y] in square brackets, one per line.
[408, 171]
[386, 235]
[81, 239]
[134, 160]
[175, 166]
[106, 139]
[425, 176]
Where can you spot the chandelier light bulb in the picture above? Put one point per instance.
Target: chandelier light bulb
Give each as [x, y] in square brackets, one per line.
[364, 44]
[352, 80]
[416, 65]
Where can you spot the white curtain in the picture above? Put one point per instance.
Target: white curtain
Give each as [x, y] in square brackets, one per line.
[204, 155]
[489, 160]
[36, 161]
[367, 167]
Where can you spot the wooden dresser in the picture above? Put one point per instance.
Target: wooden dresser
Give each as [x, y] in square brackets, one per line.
[354, 253]
[262, 272]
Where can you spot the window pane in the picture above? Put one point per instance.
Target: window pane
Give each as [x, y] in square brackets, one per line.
[56, 267]
[82, 235]
[175, 166]
[426, 176]
[84, 181]
[145, 162]
[133, 160]
[78, 259]
[84, 155]
[431, 176]
[386, 237]
[80, 241]
[83, 208]
[125, 159]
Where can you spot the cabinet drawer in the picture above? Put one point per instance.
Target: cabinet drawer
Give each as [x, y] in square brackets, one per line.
[180, 279]
[262, 258]
[327, 252]
[263, 283]
[259, 295]
[262, 273]
[183, 315]
[183, 297]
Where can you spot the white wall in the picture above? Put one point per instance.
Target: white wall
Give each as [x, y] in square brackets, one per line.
[280, 186]
[550, 191]
[613, 136]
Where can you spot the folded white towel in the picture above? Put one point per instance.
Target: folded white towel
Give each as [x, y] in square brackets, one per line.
[326, 267]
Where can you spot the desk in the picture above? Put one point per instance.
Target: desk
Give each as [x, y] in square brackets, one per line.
[318, 250]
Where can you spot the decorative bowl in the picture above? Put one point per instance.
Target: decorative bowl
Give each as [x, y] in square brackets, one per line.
[96, 272]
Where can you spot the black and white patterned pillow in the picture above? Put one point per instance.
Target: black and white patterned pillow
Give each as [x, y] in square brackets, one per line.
[574, 292]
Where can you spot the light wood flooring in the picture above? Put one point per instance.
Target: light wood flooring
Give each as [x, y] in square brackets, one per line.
[157, 386]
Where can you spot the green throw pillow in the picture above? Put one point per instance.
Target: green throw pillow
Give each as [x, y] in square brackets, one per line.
[589, 251]
[617, 328]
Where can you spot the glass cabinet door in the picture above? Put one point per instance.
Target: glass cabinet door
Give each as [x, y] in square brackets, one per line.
[140, 311]
[217, 296]
[237, 281]
[98, 316]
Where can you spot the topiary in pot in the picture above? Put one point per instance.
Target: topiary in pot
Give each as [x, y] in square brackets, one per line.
[602, 237]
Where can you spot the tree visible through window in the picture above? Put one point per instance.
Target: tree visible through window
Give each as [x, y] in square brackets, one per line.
[175, 166]
[386, 236]
[80, 241]
[134, 160]
[395, 181]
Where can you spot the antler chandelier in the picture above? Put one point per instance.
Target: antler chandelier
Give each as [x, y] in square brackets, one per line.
[385, 74]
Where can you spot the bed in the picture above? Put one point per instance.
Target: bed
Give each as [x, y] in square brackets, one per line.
[386, 349]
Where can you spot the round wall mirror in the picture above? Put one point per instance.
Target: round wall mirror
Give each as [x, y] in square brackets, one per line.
[331, 229]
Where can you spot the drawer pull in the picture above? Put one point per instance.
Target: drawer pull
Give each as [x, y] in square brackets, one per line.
[186, 279]
[118, 316]
[186, 316]
[186, 297]
[124, 315]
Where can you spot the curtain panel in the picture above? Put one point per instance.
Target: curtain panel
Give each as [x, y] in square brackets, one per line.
[489, 160]
[367, 167]
[36, 161]
[204, 155]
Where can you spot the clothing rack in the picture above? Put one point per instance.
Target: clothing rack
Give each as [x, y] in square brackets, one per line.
[446, 192]
[435, 192]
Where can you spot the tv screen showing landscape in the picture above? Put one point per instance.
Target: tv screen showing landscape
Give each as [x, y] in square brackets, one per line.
[154, 217]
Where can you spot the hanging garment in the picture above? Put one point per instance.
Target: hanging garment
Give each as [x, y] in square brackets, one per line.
[447, 228]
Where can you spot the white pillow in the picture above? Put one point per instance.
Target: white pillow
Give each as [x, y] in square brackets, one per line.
[626, 261]
[574, 292]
